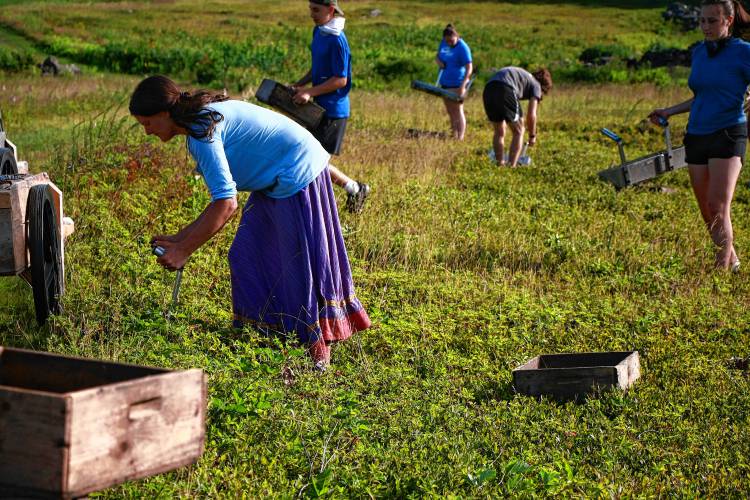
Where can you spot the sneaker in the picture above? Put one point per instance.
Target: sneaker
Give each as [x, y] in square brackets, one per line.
[355, 202]
[735, 266]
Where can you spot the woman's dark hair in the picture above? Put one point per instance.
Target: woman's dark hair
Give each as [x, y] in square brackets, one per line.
[449, 31]
[734, 8]
[544, 77]
[158, 93]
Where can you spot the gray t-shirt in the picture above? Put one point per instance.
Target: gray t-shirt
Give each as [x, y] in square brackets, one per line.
[523, 83]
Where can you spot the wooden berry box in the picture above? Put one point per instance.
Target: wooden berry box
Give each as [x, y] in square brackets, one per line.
[280, 96]
[71, 426]
[574, 375]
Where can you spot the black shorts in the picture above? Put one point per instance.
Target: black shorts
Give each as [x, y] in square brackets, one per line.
[724, 143]
[330, 134]
[501, 103]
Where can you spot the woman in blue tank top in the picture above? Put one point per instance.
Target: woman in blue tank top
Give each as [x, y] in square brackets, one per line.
[716, 136]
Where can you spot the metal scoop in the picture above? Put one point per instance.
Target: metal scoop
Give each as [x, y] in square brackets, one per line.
[160, 251]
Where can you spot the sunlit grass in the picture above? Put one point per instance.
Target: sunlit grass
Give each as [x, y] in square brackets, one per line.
[466, 269]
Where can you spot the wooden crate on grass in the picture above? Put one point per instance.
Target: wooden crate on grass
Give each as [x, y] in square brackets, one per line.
[71, 426]
[574, 375]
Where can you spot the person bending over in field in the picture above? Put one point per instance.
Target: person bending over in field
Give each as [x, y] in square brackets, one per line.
[289, 267]
[716, 136]
[502, 96]
[454, 59]
[331, 78]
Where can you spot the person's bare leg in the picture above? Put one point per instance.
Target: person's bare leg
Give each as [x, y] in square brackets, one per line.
[449, 110]
[460, 121]
[722, 179]
[498, 142]
[699, 182]
[517, 128]
[338, 177]
[456, 116]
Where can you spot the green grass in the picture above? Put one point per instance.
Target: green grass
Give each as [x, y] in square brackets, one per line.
[467, 271]
[233, 45]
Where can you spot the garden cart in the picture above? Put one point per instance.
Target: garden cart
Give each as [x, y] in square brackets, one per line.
[32, 230]
[633, 172]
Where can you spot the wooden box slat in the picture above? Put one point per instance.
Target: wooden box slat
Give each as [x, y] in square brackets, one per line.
[280, 97]
[33, 439]
[574, 375]
[41, 371]
[80, 425]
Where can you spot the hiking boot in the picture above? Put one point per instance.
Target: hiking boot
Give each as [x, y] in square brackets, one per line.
[355, 202]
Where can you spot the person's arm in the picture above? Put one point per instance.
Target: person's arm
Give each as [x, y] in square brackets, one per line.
[683, 107]
[440, 63]
[214, 166]
[467, 77]
[340, 67]
[531, 119]
[331, 85]
[178, 236]
[193, 236]
[303, 81]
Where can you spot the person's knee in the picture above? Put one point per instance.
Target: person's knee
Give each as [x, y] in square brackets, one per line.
[718, 209]
[517, 128]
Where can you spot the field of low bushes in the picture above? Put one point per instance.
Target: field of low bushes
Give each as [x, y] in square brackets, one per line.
[233, 44]
[466, 270]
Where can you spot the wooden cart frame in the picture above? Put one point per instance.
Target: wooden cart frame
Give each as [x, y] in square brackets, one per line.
[33, 229]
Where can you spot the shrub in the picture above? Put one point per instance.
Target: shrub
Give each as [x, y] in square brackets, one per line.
[395, 69]
[599, 54]
[15, 60]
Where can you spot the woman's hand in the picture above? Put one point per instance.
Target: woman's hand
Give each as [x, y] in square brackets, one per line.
[657, 116]
[462, 90]
[173, 238]
[174, 257]
[532, 140]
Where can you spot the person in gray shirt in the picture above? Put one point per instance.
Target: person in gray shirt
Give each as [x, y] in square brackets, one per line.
[502, 96]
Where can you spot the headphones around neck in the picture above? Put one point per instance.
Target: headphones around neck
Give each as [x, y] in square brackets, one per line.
[714, 46]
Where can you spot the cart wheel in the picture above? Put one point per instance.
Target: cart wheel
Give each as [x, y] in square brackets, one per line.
[7, 162]
[43, 242]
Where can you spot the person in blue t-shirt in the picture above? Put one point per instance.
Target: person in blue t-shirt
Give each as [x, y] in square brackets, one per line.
[331, 79]
[289, 268]
[716, 136]
[454, 59]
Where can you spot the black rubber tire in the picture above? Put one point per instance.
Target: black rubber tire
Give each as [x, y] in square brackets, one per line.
[7, 162]
[43, 242]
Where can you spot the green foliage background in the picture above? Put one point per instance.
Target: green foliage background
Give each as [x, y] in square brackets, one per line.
[467, 270]
[233, 43]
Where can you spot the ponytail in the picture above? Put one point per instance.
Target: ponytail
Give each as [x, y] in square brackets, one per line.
[158, 93]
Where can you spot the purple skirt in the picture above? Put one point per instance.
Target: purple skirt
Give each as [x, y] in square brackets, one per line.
[290, 271]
